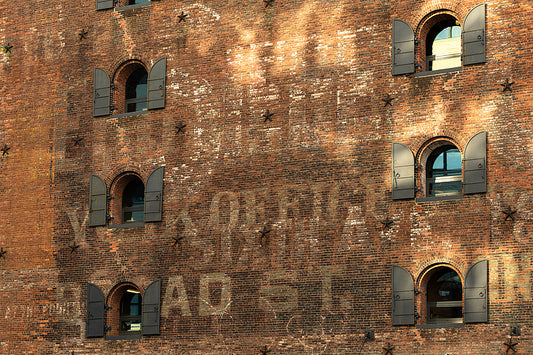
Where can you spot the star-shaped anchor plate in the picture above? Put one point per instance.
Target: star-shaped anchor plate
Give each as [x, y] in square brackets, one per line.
[387, 100]
[181, 128]
[265, 350]
[268, 116]
[5, 150]
[510, 346]
[83, 34]
[507, 85]
[268, 2]
[509, 214]
[182, 17]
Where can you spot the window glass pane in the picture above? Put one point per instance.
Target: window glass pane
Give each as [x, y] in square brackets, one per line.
[446, 48]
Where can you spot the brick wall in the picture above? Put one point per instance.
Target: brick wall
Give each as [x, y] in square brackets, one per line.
[316, 179]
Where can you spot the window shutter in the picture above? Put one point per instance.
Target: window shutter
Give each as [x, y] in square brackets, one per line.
[153, 196]
[104, 4]
[156, 84]
[403, 172]
[474, 36]
[97, 201]
[102, 93]
[403, 297]
[403, 48]
[476, 298]
[95, 311]
[474, 164]
[151, 307]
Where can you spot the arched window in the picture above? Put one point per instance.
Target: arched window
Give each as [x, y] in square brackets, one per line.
[443, 45]
[444, 296]
[133, 201]
[443, 171]
[137, 91]
[130, 311]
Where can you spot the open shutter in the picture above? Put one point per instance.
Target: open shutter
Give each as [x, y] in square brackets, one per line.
[97, 201]
[403, 48]
[474, 36]
[153, 196]
[403, 297]
[474, 164]
[104, 4]
[156, 84]
[102, 93]
[475, 293]
[151, 307]
[403, 172]
[95, 311]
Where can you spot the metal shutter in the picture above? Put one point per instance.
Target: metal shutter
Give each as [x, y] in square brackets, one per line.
[474, 46]
[151, 308]
[403, 172]
[474, 164]
[403, 48]
[95, 311]
[97, 201]
[475, 293]
[101, 93]
[403, 297]
[153, 196]
[156, 84]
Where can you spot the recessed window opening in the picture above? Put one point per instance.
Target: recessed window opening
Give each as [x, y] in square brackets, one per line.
[133, 201]
[443, 45]
[137, 91]
[444, 171]
[444, 296]
[130, 311]
[133, 2]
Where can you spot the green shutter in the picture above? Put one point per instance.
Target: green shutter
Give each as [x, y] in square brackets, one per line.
[97, 201]
[95, 311]
[474, 46]
[153, 196]
[403, 48]
[403, 172]
[475, 293]
[101, 93]
[475, 165]
[104, 4]
[156, 84]
[151, 308]
[403, 297]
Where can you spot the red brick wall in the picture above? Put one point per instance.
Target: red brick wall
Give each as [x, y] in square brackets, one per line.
[318, 176]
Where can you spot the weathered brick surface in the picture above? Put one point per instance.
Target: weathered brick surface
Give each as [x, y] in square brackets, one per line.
[318, 176]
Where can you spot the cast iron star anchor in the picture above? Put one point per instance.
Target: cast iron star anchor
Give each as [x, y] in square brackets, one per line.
[510, 346]
[507, 85]
[77, 140]
[83, 34]
[73, 247]
[264, 235]
[5, 150]
[265, 350]
[181, 128]
[387, 100]
[3, 253]
[268, 2]
[7, 48]
[268, 116]
[388, 349]
[182, 17]
[509, 213]
[387, 223]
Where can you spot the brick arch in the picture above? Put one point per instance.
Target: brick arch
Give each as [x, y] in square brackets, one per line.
[458, 138]
[113, 300]
[460, 8]
[122, 60]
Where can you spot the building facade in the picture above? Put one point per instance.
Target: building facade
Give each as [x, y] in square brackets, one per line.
[266, 176]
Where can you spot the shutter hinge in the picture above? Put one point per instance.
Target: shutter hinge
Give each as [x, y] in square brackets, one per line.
[417, 42]
[109, 218]
[417, 291]
[109, 197]
[417, 316]
[107, 328]
[107, 308]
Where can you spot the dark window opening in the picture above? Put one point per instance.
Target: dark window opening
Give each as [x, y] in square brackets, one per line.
[130, 312]
[133, 201]
[444, 297]
[133, 2]
[137, 91]
[443, 45]
[444, 171]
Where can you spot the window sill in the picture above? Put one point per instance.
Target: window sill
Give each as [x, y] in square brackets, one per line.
[439, 325]
[123, 337]
[127, 114]
[126, 225]
[134, 6]
[437, 72]
[439, 198]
